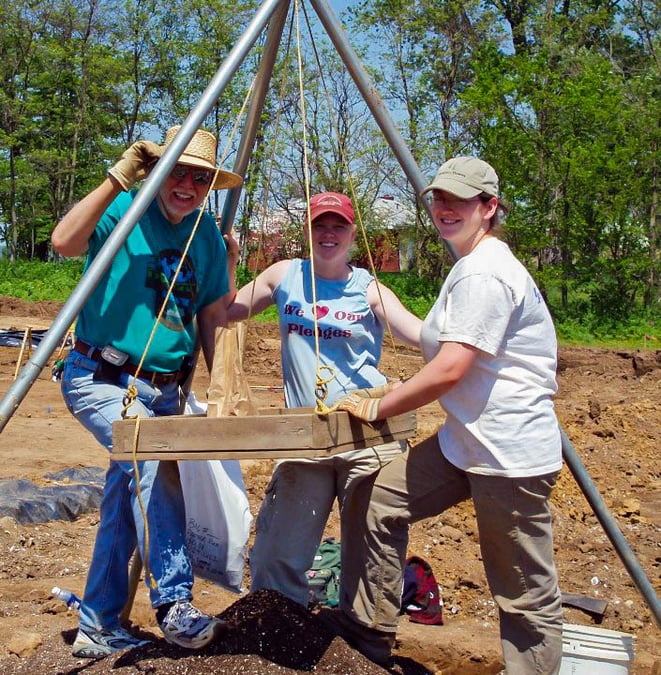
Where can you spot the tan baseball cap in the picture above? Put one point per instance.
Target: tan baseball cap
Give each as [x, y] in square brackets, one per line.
[465, 177]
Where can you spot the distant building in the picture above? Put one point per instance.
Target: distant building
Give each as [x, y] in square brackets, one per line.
[281, 235]
[397, 253]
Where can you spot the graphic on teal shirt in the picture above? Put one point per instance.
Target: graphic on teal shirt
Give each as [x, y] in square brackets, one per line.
[181, 304]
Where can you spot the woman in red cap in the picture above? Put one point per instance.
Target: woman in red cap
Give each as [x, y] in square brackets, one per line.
[348, 321]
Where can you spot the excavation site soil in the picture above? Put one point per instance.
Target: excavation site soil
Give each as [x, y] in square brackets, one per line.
[608, 405]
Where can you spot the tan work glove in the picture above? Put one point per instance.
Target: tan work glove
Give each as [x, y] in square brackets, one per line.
[364, 403]
[366, 409]
[375, 392]
[136, 163]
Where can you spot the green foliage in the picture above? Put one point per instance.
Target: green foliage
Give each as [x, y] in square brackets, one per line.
[562, 99]
[36, 281]
[416, 293]
[269, 315]
[640, 331]
[244, 276]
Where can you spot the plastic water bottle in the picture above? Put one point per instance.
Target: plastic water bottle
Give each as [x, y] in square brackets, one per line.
[56, 371]
[71, 599]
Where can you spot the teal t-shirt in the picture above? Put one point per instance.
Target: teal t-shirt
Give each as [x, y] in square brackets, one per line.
[122, 309]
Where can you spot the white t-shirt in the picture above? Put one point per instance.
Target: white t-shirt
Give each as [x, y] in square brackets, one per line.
[500, 416]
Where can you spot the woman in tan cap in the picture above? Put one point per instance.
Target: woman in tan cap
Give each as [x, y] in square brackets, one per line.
[112, 332]
[490, 351]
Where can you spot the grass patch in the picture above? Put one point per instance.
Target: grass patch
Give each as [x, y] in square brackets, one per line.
[36, 281]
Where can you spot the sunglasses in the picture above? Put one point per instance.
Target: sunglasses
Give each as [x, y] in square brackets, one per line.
[199, 176]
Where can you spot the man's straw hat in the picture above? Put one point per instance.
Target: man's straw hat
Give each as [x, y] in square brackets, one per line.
[201, 152]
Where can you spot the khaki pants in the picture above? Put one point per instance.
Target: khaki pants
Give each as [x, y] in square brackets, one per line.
[514, 523]
[296, 506]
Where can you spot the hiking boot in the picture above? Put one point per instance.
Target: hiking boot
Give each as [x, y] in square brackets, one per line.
[374, 644]
[95, 644]
[185, 626]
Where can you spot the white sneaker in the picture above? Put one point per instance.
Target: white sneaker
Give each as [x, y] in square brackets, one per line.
[185, 626]
[95, 644]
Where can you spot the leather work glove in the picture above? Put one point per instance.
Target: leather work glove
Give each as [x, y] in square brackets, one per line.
[136, 163]
[363, 407]
[375, 392]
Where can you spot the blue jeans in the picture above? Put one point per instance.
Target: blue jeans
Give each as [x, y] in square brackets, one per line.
[96, 405]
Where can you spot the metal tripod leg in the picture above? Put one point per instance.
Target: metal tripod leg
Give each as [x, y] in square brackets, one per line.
[417, 180]
[146, 195]
[253, 116]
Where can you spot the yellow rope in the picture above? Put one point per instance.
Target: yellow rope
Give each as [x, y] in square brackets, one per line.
[359, 218]
[321, 390]
[267, 183]
[132, 391]
[138, 492]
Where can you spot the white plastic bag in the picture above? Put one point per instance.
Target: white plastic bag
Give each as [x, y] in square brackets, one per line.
[218, 515]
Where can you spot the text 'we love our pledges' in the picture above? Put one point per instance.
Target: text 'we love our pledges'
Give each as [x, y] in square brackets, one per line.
[305, 326]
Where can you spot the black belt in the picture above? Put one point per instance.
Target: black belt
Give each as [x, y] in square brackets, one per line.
[159, 379]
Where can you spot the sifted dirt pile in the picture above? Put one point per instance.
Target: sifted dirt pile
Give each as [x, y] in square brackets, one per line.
[608, 405]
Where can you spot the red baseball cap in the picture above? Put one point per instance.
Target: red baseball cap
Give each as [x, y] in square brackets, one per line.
[331, 202]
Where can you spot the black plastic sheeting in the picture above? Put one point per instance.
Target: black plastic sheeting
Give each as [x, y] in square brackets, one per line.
[13, 337]
[72, 493]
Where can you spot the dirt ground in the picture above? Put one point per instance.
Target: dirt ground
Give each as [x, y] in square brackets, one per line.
[608, 405]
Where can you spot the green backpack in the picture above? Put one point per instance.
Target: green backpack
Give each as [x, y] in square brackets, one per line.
[324, 575]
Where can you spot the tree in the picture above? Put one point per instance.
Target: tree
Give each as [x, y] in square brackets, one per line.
[19, 58]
